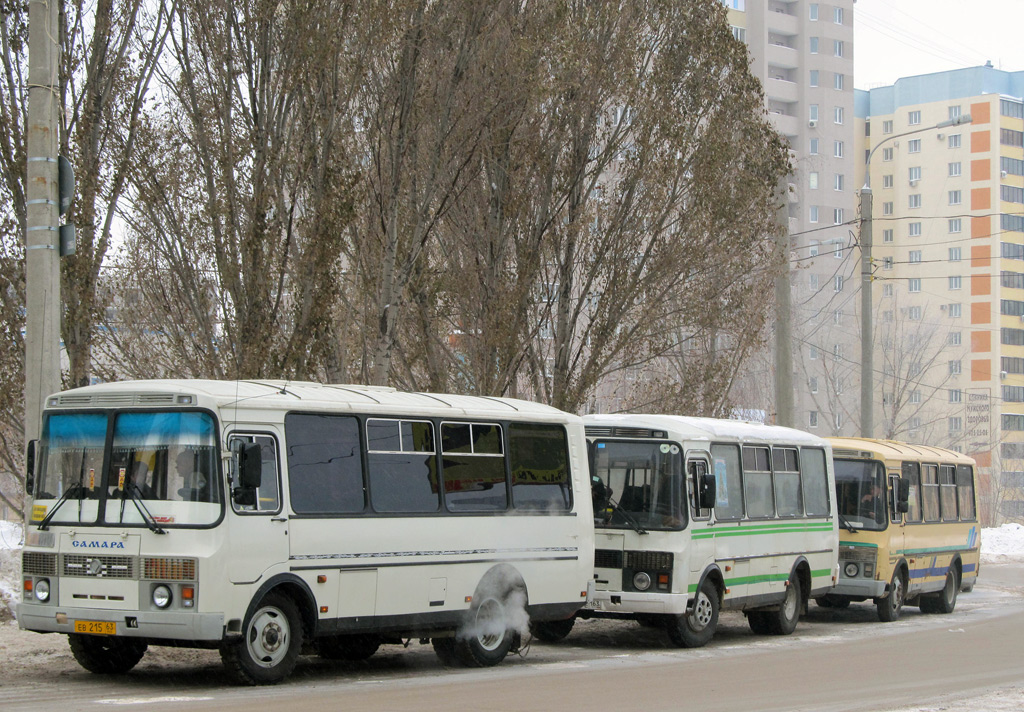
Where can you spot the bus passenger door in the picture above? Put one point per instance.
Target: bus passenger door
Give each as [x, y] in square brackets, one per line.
[257, 533]
[896, 528]
[702, 544]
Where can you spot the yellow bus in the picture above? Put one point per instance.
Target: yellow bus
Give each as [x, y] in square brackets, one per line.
[909, 530]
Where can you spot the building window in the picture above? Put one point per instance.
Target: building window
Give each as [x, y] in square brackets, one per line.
[914, 145]
[814, 248]
[887, 126]
[812, 180]
[814, 78]
[739, 33]
[1011, 194]
[812, 353]
[955, 282]
[954, 311]
[955, 225]
[914, 284]
[838, 18]
[887, 290]
[839, 115]
[813, 147]
[837, 216]
[887, 180]
[954, 112]
[914, 201]
[814, 214]
[840, 182]
[954, 141]
[837, 48]
[814, 45]
[837, 350]
[1012, 109]
[1009, 137]
[955, 424]
[837, 317]
[812, 11]
[914, 118]
[887, 208]
[914, 230]
[887, 154]
[955, 395]
[812, 280]
[837, 251]
[813, 384]
[954, 254]
[838, 148]
[887, 235]
[915, 257]
[954, 338]
[954, 197]
[837, 418]
[839, 81]
[914, 173]
[915, 396]
[812, 112]
[914, 313]
[955, 369]
[1011, 280]
[954, 169]
[1011, 166]
[837, 283]
[887, 315]
[812, 419]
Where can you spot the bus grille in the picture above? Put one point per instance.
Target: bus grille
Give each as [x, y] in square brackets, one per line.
[120, 567]
[38, 563]
[607, 559]
[649, 560]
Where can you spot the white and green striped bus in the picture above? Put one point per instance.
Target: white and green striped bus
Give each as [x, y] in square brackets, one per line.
[695, 515]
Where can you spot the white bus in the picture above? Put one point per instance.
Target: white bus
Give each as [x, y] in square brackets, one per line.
[695, 515]
[256, 517]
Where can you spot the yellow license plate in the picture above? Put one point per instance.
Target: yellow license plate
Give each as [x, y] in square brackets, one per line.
[96, 627]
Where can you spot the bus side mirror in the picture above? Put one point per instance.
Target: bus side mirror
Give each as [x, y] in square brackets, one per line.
[249, 462]
[30, 466]
[706, 491]
[903, 494]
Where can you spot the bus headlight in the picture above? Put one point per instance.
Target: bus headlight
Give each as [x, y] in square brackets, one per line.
[641, 581]
[850, 569]
[161, 596]
[42, 590]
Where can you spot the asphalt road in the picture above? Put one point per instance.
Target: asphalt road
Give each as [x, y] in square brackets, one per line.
[836, 660]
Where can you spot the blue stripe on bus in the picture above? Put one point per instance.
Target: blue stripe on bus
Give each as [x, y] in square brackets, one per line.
[968, 568]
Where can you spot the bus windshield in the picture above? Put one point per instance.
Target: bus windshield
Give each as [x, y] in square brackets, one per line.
[860, 490]
[151, 456]
[642, 483]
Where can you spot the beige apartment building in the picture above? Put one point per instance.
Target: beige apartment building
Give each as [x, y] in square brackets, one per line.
[948, 260]
[803, 54]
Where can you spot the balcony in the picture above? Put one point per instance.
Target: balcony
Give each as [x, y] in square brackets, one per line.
[782, 56]
[784, 124]
[781, 90]
[782, 23]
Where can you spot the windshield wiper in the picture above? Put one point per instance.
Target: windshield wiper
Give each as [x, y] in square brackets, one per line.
[846, 524]
[627, 517]
[74, 489]
[132, 491]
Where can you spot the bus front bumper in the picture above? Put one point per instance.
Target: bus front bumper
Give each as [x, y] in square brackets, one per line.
[168, 625]
[636, 602]
[860, 588]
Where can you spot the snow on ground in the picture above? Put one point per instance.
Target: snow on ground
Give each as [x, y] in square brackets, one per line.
[10, 567]
[1005, 543]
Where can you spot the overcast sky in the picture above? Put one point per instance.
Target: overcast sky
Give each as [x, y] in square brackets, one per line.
[901, 38]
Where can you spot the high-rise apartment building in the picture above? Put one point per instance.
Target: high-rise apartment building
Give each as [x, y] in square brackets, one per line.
[803, 54]
[948, 256]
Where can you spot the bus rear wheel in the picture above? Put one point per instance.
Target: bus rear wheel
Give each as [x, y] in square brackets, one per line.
[784, 620]
[945, 600]
[485, 639]
[830, 600]
[106, 655]
[347, 647]
[697, 628]
[890, 606]
[270, 644]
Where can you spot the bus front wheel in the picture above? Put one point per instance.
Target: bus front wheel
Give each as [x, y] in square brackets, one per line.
[890, 606]
[106, 655]
[695, 629]
[270, 645]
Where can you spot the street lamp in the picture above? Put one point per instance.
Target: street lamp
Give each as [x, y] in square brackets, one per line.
[867, 368]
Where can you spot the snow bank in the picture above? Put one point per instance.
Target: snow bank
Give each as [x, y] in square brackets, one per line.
[1005, 543]
[10, 567]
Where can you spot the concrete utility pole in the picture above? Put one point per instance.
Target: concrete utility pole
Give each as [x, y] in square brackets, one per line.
[784, 414]
[867, 339]
[42, 256]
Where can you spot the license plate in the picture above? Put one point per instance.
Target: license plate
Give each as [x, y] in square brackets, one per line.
[96, 627]
[594, 605]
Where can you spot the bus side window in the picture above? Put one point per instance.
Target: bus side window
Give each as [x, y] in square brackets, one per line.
[268, 495]
[912, 473]
[965, 491]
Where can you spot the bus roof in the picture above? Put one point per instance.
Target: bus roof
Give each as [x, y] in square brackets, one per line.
[895, 450]
[294, 395]
[692, 428]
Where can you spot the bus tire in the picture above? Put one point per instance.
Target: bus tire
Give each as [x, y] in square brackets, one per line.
[552, 631]
[696, 629]
[444, 648]
[782, 621]
[270, 644]
[106, 655]
[347, 647]
[485, 638]
[890, 606]
[945, 600]
[650, 620]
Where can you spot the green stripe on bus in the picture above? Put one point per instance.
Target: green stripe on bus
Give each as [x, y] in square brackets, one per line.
[753, 531]
[934, 550]
[858, 543]
[747, 580]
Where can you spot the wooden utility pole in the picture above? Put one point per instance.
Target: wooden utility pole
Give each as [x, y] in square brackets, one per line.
[42, 255]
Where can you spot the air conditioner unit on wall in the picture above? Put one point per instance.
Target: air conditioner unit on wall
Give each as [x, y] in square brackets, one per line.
[913, 184]
[812, 123]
